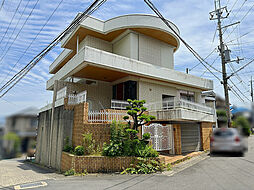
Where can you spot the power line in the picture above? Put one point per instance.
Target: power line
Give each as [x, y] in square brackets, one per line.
[236, 94]
[241, 68]
[239, 89]
[22, 73]
[211, 64]
[201, 60]
[7, 74]
[2, 4]
[16, 25]
[11, 21]
[19, 31]
[240, 21]
[204, 59]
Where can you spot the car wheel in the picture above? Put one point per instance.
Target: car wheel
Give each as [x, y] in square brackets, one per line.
[241, 153]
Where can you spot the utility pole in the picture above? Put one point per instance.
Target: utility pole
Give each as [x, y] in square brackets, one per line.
[251, 89]
[218, 15]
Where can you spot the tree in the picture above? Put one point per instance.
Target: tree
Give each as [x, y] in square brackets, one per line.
[136, 111]
[243, 123]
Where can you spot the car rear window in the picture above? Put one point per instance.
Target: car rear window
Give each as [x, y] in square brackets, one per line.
[223, 133]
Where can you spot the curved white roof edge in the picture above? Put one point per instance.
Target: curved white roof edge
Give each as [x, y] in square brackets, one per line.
[127, 21]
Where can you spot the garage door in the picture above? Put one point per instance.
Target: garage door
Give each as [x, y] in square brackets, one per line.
[190, 137]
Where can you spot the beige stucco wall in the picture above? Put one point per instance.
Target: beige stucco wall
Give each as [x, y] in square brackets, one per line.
[152, 92]
[123, 46]
[99, 95]
[96, 43]
[143, 48]
[155, 52]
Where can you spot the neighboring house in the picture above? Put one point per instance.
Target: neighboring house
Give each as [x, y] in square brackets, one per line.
[1, 140]
[24, 125]
[210, 100]
[104, 63]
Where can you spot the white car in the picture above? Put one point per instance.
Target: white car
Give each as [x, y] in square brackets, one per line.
[228, 140]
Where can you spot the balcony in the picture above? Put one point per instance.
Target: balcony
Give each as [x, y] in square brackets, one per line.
[181, 110]
[100, 65]
[119, 104]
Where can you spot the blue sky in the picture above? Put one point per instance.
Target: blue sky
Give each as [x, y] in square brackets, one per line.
[191, 17]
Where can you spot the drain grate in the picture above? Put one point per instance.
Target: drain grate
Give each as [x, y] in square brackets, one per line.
[31, 185]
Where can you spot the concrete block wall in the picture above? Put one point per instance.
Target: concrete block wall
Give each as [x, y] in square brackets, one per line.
[50, 139]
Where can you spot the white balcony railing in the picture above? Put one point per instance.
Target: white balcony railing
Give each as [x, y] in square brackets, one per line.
[119, 104]
[104, 116]
[61, 93]
[74, 99]
[176, 103]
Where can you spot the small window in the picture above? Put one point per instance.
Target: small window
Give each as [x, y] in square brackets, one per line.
[187, 95]
[167, 101]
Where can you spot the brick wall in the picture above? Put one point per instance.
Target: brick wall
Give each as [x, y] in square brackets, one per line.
[95, 164]
[67, 161]
[206, 129]
[177, 139]
[80, 115]
[100, 131]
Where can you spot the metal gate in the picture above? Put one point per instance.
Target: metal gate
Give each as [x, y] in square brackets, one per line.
[161, 136]
[190, 137]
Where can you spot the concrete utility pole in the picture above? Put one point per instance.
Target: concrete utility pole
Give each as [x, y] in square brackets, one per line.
[251, 89]
[217, 15]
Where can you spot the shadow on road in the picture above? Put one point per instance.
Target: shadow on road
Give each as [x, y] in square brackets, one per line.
[28, 165]
[226, 154]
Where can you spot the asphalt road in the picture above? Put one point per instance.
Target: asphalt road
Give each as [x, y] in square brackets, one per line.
[205, 172]
[223, 171]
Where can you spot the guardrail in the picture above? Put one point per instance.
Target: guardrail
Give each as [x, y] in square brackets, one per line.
[74, 99]
[61, 93]
[185, 104]
[103, 116]
[119, 104]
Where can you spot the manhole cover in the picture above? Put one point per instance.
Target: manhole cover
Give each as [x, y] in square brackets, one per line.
[31, 185]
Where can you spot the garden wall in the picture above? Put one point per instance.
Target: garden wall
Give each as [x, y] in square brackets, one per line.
[97, 164]
[50, 139]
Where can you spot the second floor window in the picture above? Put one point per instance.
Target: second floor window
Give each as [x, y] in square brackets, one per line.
[187, 95]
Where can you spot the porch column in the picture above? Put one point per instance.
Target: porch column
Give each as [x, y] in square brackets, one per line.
[77, 44]
[206, 129]
[177, 139]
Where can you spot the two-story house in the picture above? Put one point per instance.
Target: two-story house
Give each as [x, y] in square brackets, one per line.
[24, 125]
[132, 57]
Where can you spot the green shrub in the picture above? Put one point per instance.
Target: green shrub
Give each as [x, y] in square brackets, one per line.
[89, 144]
[146, 136]
[15, 141]
[136, 111]
[124, 142]
[79, 150]
[67, 147]
[221, 113]
[144, 166]
[244, 125]
[69, 172]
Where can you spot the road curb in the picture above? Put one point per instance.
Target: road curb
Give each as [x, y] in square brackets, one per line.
[185, 163]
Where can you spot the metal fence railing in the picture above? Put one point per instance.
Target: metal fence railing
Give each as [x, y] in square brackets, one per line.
[74, 99]
[176, 103]
[103, 116]
[119, 104]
